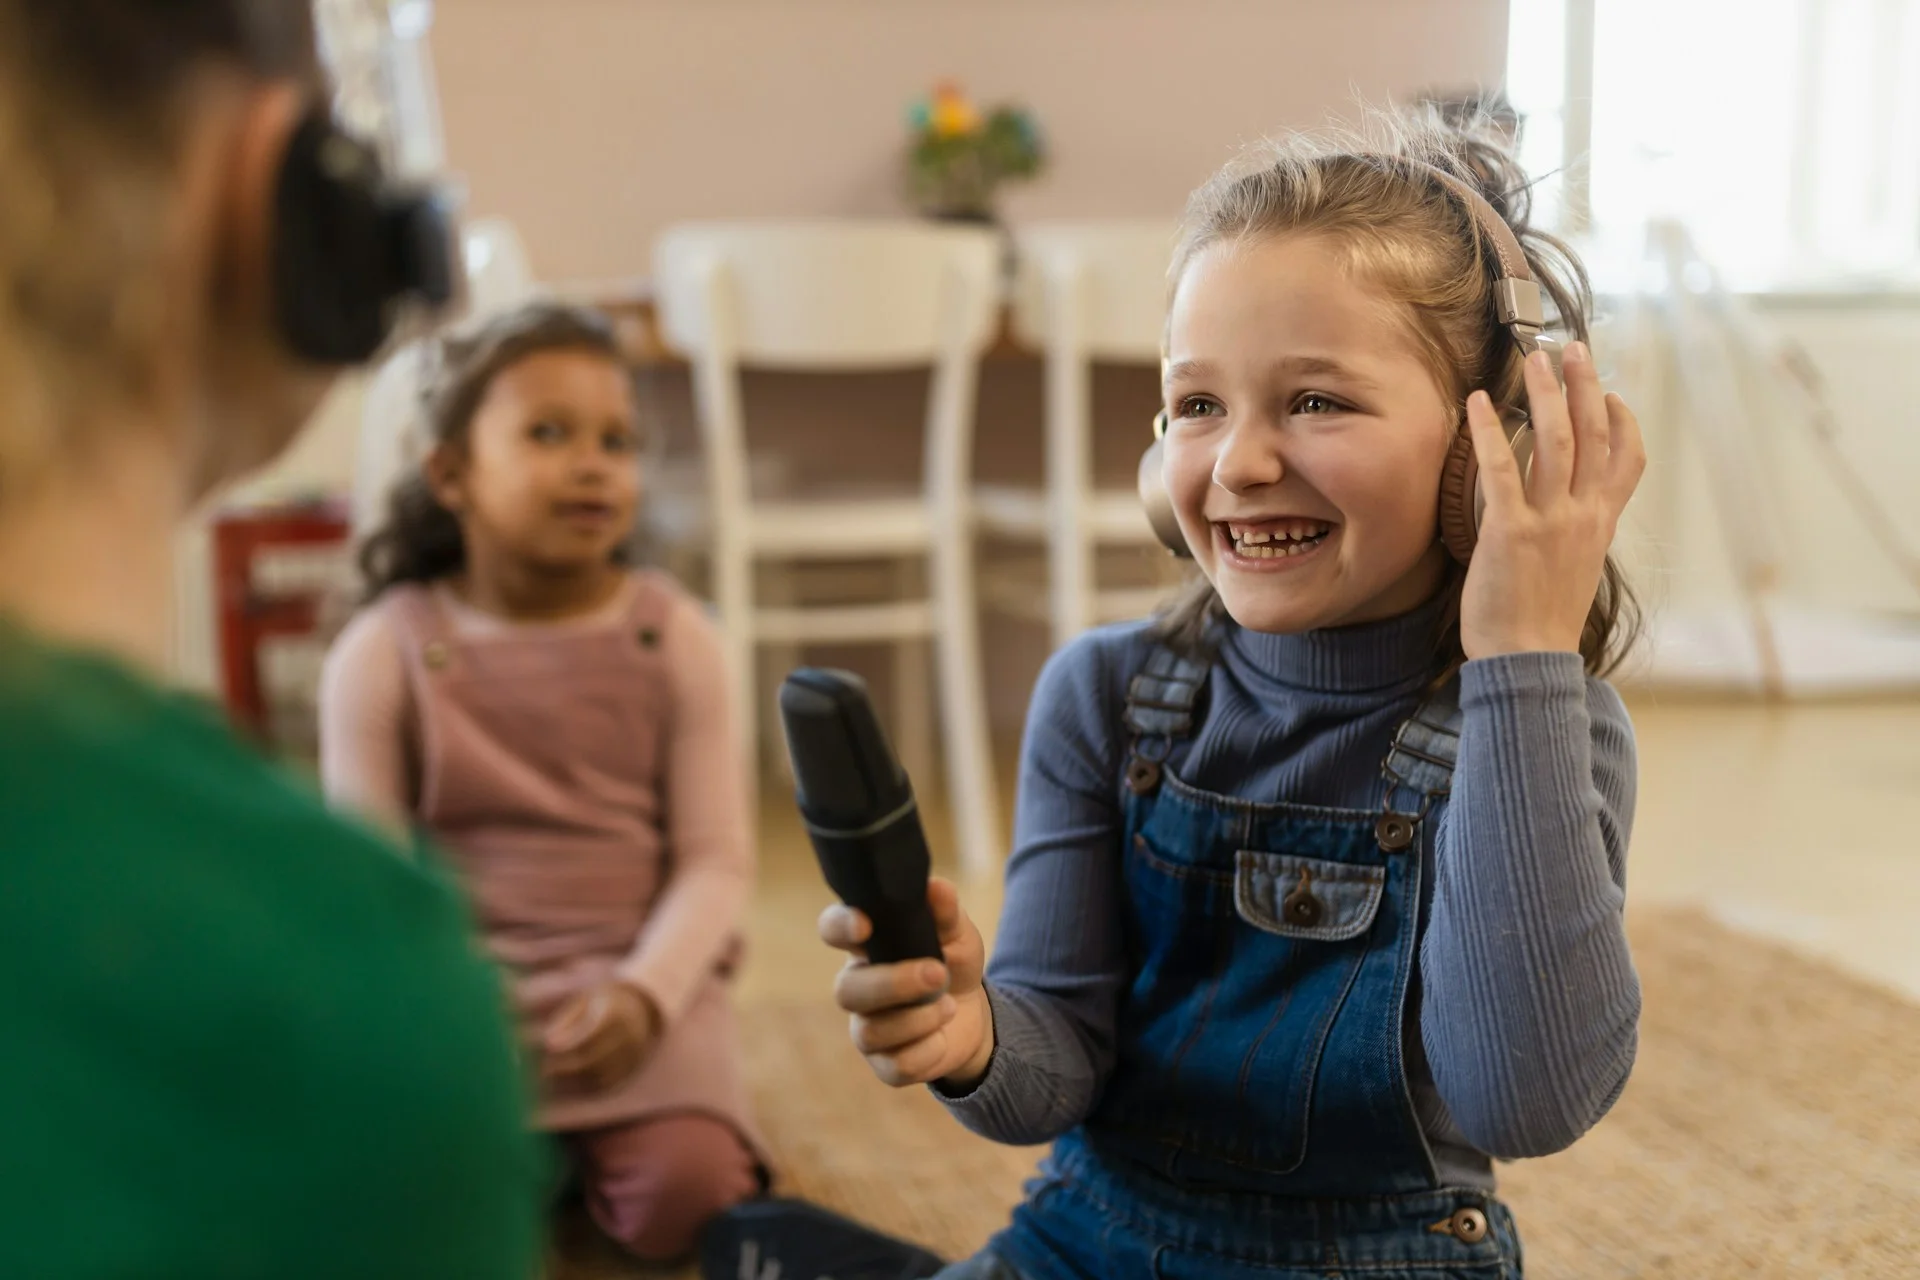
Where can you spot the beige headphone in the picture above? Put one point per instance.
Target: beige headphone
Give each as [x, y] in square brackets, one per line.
[1517, 298]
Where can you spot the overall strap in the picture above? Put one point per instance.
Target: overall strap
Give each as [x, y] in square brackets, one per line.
[1161, 701]
[421, 624]
[1425, 749]
[654, 596]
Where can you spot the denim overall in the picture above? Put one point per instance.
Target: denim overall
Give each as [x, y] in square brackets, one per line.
[1258, 1120]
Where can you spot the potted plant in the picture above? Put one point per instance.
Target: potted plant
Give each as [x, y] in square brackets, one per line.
[957, 157]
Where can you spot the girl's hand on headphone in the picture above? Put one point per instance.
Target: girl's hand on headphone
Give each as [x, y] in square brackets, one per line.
[1544, 539]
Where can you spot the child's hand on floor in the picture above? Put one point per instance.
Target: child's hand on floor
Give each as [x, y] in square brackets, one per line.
[917, 1022]
[599, 1038]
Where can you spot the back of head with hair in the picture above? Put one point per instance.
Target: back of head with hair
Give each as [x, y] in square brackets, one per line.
[1369, 195]
[92, 96]
[420, 540]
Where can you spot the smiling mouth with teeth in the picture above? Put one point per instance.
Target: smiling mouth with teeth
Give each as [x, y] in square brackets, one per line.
[1273, 539]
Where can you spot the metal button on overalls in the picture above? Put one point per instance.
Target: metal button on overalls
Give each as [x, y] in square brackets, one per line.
[1470, 1226]
[1394, 831]
[1301, 907]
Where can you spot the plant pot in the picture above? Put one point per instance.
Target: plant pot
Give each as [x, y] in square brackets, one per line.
[973, 217]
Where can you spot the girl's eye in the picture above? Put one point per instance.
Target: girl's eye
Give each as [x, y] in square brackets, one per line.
[622, 440]
[1314, 402]
[1195, 407]
[547, 432]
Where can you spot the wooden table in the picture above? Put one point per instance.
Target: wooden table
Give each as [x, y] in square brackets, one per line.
[638, 324]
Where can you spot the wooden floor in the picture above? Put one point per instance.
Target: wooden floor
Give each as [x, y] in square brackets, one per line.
[1799, 823]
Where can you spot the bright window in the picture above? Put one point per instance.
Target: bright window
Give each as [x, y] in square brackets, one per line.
[1784, 133]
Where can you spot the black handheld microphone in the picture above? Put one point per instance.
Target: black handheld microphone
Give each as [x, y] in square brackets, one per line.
[860, 812]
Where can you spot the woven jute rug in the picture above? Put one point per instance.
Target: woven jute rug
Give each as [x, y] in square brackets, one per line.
[1772, 1128]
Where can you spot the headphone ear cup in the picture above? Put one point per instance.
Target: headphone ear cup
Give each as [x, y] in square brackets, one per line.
[1158, 502]
[349, 247]
[1460, 497]
[329, 252]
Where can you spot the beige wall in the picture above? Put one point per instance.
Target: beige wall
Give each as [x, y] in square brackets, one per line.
[592, 123]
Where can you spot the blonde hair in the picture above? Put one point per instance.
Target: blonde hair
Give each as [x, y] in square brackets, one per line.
[1370, 197]
[91, 101]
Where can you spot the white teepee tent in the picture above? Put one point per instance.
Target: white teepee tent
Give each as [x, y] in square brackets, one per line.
[1727, 398]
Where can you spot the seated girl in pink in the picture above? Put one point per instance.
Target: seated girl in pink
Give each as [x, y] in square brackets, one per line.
[560, 724]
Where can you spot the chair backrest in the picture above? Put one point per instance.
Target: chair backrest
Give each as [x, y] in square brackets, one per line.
[499, 275]
[830, 294]
[1120, 270]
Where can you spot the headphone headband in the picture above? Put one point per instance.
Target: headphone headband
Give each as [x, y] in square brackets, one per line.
[1516, 294]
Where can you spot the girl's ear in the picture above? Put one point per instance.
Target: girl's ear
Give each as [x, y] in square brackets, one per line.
[445, 471]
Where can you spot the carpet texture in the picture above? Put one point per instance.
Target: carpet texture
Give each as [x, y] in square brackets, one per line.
[1771, 1129]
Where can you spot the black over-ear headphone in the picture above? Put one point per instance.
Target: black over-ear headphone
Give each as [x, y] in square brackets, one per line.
[352, 247]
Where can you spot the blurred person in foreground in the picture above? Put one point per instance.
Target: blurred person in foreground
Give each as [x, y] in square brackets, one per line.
[242, 1037]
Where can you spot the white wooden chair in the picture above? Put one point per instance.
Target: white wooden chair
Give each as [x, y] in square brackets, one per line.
[499, 275]
[850, 296]
[1086, 291]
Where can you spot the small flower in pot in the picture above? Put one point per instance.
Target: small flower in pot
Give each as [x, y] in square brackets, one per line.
[957, 156]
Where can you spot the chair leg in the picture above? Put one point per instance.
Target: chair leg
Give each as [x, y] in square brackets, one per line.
[913, 691]
[778, 588]
[732, 571]
[963, 706]
[1070, 583]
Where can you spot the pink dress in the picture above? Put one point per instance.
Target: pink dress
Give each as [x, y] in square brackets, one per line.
[583, 778]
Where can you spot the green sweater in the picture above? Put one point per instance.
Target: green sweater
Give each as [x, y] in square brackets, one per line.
[239, 1037]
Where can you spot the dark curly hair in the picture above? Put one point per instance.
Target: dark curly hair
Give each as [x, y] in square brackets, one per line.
[420, 540]
[1402, 231]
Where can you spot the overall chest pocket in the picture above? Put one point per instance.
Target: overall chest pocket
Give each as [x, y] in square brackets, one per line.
[1307, 898]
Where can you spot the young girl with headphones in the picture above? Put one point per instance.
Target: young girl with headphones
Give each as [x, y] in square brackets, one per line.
[1316, 902]
[559, 722]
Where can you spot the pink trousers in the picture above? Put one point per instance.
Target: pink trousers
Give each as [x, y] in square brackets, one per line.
[653, 1184]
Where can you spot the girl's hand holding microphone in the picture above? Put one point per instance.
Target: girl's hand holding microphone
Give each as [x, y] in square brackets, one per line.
[919, 1021]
